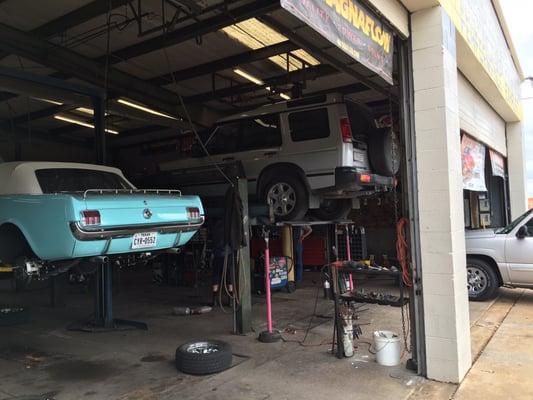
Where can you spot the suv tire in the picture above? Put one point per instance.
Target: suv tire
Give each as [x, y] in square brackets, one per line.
[289, 193]
[482, 280]
[333, 209]
[383, 152]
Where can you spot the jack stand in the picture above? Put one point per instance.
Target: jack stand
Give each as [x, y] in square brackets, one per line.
[270, 335]
[103, 305]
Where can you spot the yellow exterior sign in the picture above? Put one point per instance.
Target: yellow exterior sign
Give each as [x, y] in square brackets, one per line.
[477, 23]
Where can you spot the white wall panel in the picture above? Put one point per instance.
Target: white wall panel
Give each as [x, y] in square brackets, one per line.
[478, 119]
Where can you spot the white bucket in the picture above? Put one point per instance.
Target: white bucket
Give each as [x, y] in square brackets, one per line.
[387, 348]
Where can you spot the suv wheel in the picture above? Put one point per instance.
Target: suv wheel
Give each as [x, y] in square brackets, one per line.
[333, 209]
[288, 197]
[482, 281]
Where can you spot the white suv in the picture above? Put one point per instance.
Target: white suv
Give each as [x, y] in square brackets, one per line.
[312, 154]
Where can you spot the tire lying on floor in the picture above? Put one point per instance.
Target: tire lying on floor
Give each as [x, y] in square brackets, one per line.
[203, 357]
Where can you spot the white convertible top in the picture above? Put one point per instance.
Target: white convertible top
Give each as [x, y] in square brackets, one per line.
[19, 177]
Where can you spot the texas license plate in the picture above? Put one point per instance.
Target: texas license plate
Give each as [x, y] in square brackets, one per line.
[144, 240]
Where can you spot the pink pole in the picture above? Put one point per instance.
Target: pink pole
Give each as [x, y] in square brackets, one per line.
[267, 286]
[349, 254]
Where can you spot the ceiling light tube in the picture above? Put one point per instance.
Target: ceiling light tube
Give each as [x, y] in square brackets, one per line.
[284, 96]
[81, 123]
[246, 75]
[57, 103]
[88, 111]
[144, 108]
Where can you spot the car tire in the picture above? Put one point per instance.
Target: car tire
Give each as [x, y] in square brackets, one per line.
[194, 358]
[333, 209]
[383, 152]
[482, 280]
[295, 192]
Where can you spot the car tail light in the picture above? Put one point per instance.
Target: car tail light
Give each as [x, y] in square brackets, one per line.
[90, 217]
[365, 178]
[193, 213]
[346, 130]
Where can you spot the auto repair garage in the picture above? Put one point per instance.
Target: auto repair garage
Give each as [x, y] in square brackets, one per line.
[221, 200]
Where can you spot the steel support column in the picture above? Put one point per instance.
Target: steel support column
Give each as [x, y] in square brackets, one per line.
[244, 313]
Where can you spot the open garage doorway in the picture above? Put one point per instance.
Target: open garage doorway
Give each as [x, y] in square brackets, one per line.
[193, 90]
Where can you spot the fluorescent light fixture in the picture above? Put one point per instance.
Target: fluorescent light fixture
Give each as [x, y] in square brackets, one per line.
[81, 123]
[284, 96]
[57, 103]
[255, 35]
[246, 75]
[144, 108]
[86, 110]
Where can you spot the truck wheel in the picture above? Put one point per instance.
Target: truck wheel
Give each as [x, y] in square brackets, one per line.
[333, 209]
[482, 280]
[203, 357]
[384, 152]
[288, 196]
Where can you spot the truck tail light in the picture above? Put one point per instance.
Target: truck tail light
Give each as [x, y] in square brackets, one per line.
[346, 130]
[90, 217]
[193, 213]
[364, 178]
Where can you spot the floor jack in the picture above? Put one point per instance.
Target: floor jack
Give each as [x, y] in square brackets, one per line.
[103, 304]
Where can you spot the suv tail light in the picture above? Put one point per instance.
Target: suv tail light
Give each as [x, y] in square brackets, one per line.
[90, 217]
[193, 213]
[346, 130]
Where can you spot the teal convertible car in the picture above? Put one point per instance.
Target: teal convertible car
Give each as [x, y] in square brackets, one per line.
[56, 215]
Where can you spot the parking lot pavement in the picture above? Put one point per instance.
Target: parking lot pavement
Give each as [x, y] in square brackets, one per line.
[503, 370]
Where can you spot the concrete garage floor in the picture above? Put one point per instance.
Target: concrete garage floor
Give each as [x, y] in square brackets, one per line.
[42, 360]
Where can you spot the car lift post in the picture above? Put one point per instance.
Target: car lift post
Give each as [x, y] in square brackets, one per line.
[244, 312]
[103, 303]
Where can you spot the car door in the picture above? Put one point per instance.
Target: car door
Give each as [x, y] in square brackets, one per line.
[519, 255]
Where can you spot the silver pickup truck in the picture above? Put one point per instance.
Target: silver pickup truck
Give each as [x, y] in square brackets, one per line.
[501, 257]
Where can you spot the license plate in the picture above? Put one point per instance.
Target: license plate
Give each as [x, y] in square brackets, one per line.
[144, 240]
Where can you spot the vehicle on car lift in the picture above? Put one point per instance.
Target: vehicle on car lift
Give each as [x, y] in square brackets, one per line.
[501, 257]
[316, 153]
[54, 216]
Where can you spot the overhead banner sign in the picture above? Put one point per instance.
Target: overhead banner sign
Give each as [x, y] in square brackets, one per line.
[473, 158]
[498, 164]
[351, 27]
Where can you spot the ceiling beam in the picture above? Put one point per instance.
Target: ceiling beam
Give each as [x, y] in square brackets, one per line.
[124, 84]
[67, 21]
[194, 30]
[225, 63]
[300, 75]
[18, 134]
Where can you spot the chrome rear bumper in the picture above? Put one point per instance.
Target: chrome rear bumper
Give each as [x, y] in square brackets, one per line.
[84, 234]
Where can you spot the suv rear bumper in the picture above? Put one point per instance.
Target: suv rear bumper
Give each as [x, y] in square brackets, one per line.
[348, 179]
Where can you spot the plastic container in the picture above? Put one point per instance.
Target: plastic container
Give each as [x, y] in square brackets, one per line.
[387, 348]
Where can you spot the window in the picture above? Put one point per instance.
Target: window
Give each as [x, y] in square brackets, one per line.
[260, 132]
[255, 133]
[309, 125]
[78, 180]
[529, 227]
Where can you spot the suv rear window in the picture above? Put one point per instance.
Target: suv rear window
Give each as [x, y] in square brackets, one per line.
[250, 134]
[309, 125]
[56, 180]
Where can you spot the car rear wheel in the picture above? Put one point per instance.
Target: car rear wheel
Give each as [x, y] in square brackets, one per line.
[288, 197]
[482, 281]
